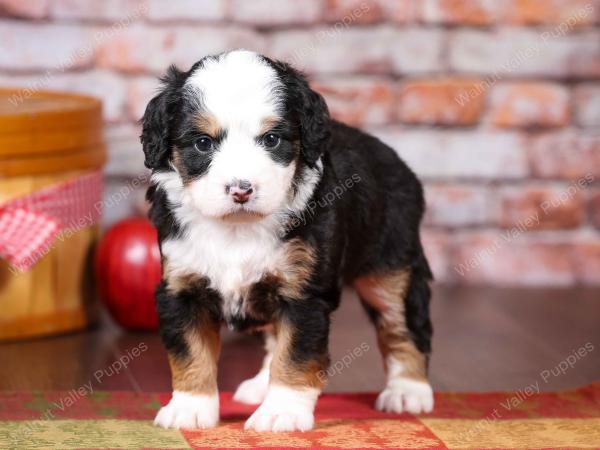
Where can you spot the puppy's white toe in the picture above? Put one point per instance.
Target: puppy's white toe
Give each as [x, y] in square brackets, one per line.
[267, 419]
[284, 409]
[253, 390]
[189, 411]
[406, 395]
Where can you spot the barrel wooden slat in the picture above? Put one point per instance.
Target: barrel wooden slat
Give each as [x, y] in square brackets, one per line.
[15, 295]
[48, 142]
[45, 140]
[47, 111]
[43, 299]
[91, 159]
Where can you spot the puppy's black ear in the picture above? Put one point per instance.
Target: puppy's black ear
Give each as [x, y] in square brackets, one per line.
[314, 124]
[310, 109]
[157, 118]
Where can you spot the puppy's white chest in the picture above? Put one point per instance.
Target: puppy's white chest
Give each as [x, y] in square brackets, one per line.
[233, 258]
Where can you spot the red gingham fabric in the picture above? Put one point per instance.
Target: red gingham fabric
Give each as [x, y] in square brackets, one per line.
[30, 224]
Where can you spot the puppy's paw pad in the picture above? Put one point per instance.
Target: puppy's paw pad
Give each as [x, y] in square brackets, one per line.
[406, 395]
[189, 411]
[265, 419]
[252, 391]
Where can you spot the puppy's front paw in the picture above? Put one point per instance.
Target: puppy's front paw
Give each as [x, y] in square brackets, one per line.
[406, 395]
[285, 409]
[189, 411]
[278, 419]
[253, 390]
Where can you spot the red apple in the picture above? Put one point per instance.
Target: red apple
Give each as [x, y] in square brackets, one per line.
[127, 267]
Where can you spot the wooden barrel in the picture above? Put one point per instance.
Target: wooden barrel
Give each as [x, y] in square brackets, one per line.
[46, 139]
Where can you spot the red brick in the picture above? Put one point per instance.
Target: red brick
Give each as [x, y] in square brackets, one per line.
[569, 13]
[459, 205]
[510, 258]
[35, 46]
[436, 245]
[441, 102]
[515, 52]
[594, 209]
[373, 11]
[354, 11]
[530, 104]
[120, 11]
[187, 10]
[566, 155]
[462, 12]
[402, 11]
[542, 207]
[586, 255]
[136, 49]
[30, 9]
[153, 49]
[359, 101]
[587, 105]
[464, 154]
[276, 12]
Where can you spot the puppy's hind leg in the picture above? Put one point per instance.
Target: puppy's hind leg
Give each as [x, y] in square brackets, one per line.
[398, 304]
[253, 390]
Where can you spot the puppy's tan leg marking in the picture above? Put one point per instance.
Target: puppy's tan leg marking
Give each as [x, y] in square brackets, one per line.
[254, 390]
[293, 389]
[406, 367]
[195, 401]
[197, 374]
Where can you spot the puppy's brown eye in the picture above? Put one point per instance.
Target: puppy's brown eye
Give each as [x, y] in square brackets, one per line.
[271, 140]
[204, 144]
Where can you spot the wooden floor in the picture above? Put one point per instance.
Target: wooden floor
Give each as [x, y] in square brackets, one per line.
[485, 339]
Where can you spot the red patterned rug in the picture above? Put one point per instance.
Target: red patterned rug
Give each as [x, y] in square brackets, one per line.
[122, 420]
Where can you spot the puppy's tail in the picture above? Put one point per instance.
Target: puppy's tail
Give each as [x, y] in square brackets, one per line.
[416, 304]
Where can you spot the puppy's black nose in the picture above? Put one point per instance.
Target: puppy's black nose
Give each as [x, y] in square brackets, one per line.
[240, 191]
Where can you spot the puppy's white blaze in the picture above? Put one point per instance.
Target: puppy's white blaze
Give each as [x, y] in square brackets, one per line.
[402, 393]
[285, 409]
[239, 89]
[189, 411]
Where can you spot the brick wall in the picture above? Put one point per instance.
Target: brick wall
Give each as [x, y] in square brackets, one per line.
[494, 103]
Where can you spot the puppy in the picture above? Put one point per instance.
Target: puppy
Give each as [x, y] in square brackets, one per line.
[265, 207]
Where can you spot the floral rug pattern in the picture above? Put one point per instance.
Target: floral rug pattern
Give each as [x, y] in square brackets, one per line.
[123, 420]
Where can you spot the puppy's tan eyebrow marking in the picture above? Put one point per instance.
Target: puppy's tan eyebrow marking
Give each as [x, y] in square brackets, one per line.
[269, 123]
[207, 124]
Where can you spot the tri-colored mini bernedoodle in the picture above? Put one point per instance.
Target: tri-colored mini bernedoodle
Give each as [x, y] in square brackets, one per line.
[265, 208]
